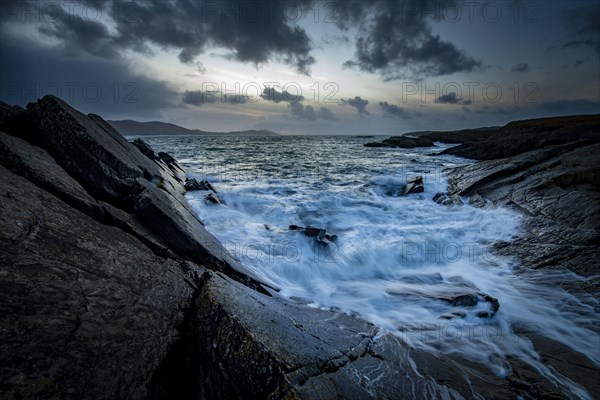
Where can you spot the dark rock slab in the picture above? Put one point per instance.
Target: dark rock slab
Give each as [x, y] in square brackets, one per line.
[212, 198]
[36, 165]
[145, 149]
[192, 185]
[81, 144]
[447, 200]
[562, 224]
[180, 228]
[126, 176]
[87, 310]
[414, 185]
[276, 348]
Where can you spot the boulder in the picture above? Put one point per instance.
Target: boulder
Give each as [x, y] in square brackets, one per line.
[472, 299]
[414, 185]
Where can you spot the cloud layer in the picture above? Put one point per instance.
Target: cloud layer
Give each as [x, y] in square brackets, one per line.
[395, 40]
[358, 103]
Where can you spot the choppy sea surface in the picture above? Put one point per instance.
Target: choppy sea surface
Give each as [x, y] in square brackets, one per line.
[397, 260]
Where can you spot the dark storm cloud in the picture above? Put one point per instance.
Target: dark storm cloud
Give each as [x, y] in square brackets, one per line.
[270, 94]
[105, 87]
[395, 40]
[358, 103]
[521, 67]
[80, 35]
[253, 31]
[299, 111]
[394, 37]
[198, 97]
[451, 98]
[393, 111]
[583, 24]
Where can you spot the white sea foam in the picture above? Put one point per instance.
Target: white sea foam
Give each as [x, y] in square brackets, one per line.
[397, 257]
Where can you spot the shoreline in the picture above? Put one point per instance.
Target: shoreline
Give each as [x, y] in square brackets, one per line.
[140, 301]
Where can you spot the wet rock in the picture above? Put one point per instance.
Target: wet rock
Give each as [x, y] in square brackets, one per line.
[442, 198]
[273, 347]
[466, 300]
[414, 185]
[314, 232]
[320, 234]
[405, 142]
[145, 149]
[101, 256]
[212, 198]
[87, 310]
[447, 200]
[561, 218]
[471, 300]
[192, 184]
[493, 301]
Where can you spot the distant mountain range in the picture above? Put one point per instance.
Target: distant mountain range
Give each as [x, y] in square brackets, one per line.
[129, 127]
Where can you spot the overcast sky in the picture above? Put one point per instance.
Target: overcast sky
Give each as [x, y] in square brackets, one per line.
[305, 67]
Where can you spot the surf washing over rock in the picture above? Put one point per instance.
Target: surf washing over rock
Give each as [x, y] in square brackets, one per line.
[426, 272]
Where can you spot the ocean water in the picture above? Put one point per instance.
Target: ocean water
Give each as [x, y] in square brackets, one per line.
[397, 259]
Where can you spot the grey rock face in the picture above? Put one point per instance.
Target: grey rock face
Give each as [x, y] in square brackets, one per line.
[557, 189]
[87, 310]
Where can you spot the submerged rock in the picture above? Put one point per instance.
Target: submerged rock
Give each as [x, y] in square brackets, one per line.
[469, 300]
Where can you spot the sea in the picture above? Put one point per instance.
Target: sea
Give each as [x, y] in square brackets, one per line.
[398, 260]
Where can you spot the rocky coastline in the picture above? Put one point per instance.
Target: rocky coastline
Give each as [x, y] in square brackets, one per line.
[112, 287]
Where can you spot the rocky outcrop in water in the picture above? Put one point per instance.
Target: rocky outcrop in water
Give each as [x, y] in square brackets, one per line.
[405, 142]
[414, 185]
[549, 170]
[112, 288]
[320, 235]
